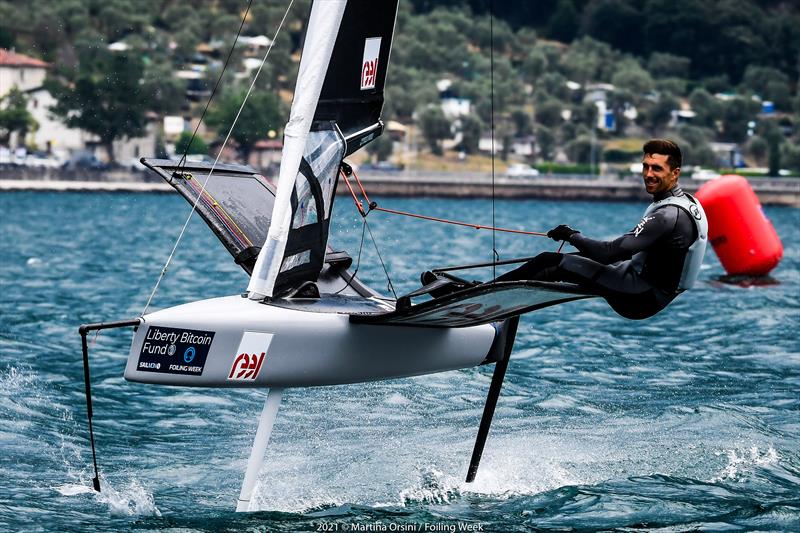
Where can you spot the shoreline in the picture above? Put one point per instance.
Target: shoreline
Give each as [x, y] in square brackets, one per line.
[782, 191]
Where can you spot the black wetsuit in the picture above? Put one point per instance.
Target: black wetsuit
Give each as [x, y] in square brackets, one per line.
[609, 268]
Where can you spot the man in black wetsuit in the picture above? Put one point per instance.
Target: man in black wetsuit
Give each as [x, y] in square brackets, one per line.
[642, 271]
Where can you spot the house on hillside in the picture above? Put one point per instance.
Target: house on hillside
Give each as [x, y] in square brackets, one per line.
[52, 135]
[20, 71]
[453, 106]
[27, 74]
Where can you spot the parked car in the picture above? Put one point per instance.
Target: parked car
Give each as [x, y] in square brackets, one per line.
[521, 170]
[704, 174]
[382, 166]
[41, 160]
[85, 161]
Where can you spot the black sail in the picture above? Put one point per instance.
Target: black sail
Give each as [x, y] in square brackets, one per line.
[352, 94]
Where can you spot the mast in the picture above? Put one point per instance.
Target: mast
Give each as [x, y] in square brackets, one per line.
[323, 27]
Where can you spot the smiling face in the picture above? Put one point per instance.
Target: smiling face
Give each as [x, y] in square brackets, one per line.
[657, 174]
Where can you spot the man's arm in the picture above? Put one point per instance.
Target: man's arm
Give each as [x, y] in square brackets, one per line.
[651, 228]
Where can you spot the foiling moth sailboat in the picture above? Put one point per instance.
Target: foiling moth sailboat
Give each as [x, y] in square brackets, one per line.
[305, 319]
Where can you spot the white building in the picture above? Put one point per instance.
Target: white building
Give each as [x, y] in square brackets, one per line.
[27, 75]
[23, 72]
[52, 135]
[453, 106]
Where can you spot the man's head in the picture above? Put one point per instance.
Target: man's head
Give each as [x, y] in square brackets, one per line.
[661, 165]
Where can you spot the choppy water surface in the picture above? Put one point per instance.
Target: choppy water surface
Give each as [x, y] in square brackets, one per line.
[689, 420]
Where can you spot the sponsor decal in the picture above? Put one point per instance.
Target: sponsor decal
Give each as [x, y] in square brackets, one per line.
[251, 353]
[694, 211]
[174, 350]
[369, 65]
[366, 139]
[640, 226]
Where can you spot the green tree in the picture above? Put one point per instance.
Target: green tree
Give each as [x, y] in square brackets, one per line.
[708, 108]
[435, 127]
[167, 93]
[471, 128]
[535, 64]
[675, 86]
[103, 96]
[381, 148]
[14, 116]
[770, 84]
[694, 141]
[660, 113]
[790, 156]
[579, 150]
[757, 148]
[615, 22]
[522, 123]
[190, 145]
[736, 113]
[563, 24]
[409, 89]
[588, 60]
[261, 113]
[632, 77]
[546, 143]
[668, 65]
[552, 85]
[772, 134]
[548, 113]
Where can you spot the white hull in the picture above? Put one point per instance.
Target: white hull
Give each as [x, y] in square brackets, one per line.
[301, 347]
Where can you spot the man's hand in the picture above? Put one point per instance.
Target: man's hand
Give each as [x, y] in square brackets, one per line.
[561, 233]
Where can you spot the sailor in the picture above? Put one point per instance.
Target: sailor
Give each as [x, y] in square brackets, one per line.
[642, 271]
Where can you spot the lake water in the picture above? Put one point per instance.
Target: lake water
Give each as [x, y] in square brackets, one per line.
[688, 420]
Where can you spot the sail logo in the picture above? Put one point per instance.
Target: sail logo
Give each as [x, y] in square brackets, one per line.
[369, 66]
[251, 352]
[246, 366]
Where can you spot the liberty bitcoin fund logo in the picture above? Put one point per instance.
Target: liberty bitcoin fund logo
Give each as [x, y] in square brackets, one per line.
[174, 350]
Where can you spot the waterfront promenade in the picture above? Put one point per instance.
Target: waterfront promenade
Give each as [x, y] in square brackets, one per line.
[771, 191]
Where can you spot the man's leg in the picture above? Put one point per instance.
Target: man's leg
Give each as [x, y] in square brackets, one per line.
[625, 291]
[540, 268]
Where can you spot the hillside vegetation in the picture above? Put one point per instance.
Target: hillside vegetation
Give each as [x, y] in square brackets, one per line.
[696, 70]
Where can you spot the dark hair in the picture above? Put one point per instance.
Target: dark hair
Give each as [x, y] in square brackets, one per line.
[667, 148]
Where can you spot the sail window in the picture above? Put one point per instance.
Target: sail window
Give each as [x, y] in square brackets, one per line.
[319, 170]
[312, 201]
[296, 260]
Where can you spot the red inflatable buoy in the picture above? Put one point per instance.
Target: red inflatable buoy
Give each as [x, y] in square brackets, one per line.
[742, 236]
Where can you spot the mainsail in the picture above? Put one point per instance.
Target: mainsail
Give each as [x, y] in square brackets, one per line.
[336, 110]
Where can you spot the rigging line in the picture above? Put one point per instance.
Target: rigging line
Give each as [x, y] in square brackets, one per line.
[182, 162]
[495, 255]
[358, 260]
[353, 194]
[483, 265]
[373, 206]
[216, 160]
[385, 271]
[459, 223]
